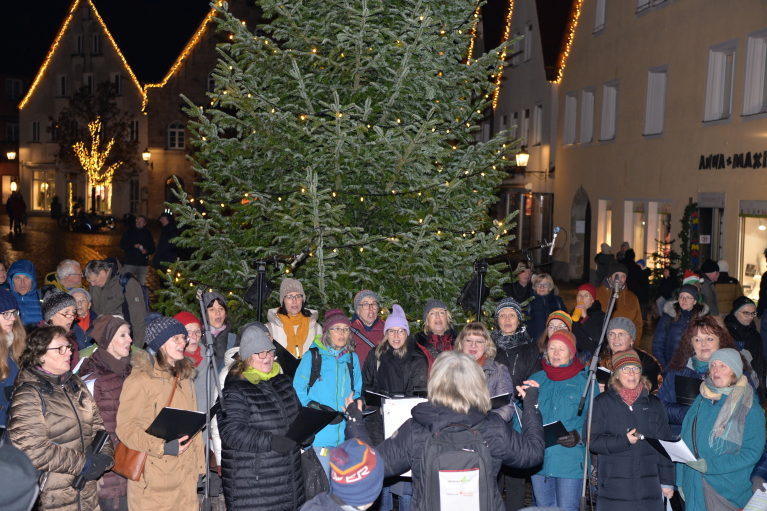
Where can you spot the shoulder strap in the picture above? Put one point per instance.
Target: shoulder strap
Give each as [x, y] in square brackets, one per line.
[231, 339]
[173, 391]
[362, 336]
[316, 366]
[350, 365]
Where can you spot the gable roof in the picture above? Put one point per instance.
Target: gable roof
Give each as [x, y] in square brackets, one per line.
[557, 20]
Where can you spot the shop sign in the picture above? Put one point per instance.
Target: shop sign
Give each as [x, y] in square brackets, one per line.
[749, 160]
[711, 200]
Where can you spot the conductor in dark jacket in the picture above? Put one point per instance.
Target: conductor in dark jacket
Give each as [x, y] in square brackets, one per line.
[138, 244]
[166, 250]
[588, 327]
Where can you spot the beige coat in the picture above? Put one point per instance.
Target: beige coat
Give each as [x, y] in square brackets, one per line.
[626, 306]
[169, 482]
[56, 440]
[274, 324]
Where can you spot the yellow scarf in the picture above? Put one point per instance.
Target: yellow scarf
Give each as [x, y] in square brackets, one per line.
[255, 376]
[297, 330]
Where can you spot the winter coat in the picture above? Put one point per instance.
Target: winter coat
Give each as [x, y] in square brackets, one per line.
[395, 375]
[325, 502]
[650, 366]
[256, 477]
[274, 324]
[626, 306]
[110, 299]
[15, 206]
[728, 473]
[588, 329]
[558, 401]
[223, 341]
[422, 341]
[373, 333]
[630, 476]
[668, 284]
[499, 383]
[539, 309]
[7, 383]
[709, 295]
[168, 482]
[106, 392]
[517, 291]
[56, 433]
[748, 338]
[29, 304]
[166, 250]
[331, 388]
[52, 279]
[668, 333]
[604, 262]
[403, 451]
[667, 394]
[523, 360]
[134, 256]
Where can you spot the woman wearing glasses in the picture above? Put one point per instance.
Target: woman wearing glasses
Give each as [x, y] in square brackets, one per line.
[545, 301]
[292, 325]
[621, 334]
[261, 467]
[632, 474]
[60, 309]
[438, 332]
[169, 481]
[366, 322]
[677, 314]
[54, 419]
[12, 343]
[740, 324]
[337, 383]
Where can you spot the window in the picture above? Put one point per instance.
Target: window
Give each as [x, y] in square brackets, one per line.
[36, 131]
[755, 92]
[211, 83]
[525, 135]
[537, 137]
[117, 81]
[78, 44]
[134, 131]
[571, 112]
[609, 111]
[88, 82]
[599, 19]
[11, 132]
[12, 89]
[655, 110]
[642, 5]
[529, 42]
[513, 131]
[62, 85]
[53, 131]
[721, 68]
[504, 120]
[515, 50]
[176, 136]
[96, 48]
[587, 116]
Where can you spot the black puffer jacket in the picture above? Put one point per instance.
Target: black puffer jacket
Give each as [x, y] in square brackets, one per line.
[255, 477]
[403, 451]
[630, 475]
[588, 329]
[747, 338]
[522, 360]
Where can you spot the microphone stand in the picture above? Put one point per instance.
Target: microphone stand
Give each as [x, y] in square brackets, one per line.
[480, 267]
[590, 383]
[210, 360]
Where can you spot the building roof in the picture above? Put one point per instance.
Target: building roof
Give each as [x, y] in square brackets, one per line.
[557, 20]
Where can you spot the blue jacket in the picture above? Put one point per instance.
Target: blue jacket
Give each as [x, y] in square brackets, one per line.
[668, 333]
[7, 383]
[760, 470]
[728, 474]
[330, 389]
[667, 394]
[558, 401]
[539, 309]
[29, 304]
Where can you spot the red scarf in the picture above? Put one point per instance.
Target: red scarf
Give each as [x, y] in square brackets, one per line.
[196, 356]
[442, 342]
[629, 396]
[481, 361]
[563, 372]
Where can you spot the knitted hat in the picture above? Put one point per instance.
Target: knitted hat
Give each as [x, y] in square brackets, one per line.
[159, 329]
[690, 277]
[80, 290]
[566, 337]
[723, 266]
[508, 303]
[56, 301]
[7, 301]
[253, 340]
[334, 317]
[709, 266]
[187, 318]
[288, 286]
[620, 323]
[365, 293]
[104, 329]
[563, 316]
[208, 298]
[606, 249]
[396, 319]
[432, 303]
[19, 477]
[257, 324]
[730, 357]
[356, 473]
[626, 358]
[591, 290]
[689, 289]
[741, 302]
[620, 267]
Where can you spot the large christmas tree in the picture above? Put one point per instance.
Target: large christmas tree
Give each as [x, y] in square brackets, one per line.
[348, 127]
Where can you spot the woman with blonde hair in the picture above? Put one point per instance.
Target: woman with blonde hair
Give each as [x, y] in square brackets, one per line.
[438, 332]
[545, 301]
[12, 344]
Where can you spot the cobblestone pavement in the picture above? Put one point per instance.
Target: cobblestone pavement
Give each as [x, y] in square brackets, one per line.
[46, 244]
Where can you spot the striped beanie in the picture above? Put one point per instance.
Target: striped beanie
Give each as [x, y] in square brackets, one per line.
[562, 316]
[626, 358]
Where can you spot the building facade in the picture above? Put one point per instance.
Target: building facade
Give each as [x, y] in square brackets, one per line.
[14, 88]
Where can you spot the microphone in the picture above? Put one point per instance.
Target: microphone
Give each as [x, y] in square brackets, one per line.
[553, 240]
[616, 287]
[199, 293]
[300, 257]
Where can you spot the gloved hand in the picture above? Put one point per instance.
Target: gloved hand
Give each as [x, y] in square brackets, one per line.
[699, 465]
[570, 440]
[282, 443]
[531, 397]
[353, 413]
[100, 463]
[757, 483]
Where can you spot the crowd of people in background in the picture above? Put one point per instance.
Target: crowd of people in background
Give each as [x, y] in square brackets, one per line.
[77, 363]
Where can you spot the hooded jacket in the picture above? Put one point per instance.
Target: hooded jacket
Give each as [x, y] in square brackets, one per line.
[110, 299]
[274, 324]
[56, 434]
[29, 304]
[168, 482]
[668, 333]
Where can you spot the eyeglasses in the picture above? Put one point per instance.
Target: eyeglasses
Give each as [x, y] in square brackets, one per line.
[294, 298]
[82, 301]
[61, 349]
[179, 340]
[66, 314]
[397, 331]
[748, 314]
[268, 353]
[342, 329]
[471, 342]
[631, 370]
[367, 306]
[194, 333]
[543, 284]
[10, 314]
[438, 314]
[553, 327]
[622, 336]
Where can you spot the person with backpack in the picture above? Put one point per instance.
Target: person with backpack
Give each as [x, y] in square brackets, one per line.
[330, 375]
[455, 433]
[117, 293]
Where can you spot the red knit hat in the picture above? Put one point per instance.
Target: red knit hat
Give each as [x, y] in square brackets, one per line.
[566, 337]
[591, 289]
[187, 318]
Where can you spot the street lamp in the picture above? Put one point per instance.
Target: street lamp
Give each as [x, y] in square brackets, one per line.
[11, 155]
[522, 158]
[14, 186]
[146, 154]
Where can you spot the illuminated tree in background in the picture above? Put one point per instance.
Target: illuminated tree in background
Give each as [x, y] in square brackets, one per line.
[94, 160]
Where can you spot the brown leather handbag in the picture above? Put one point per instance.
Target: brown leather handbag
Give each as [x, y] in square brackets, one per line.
[130, 463]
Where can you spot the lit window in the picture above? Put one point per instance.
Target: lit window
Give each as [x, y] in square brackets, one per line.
[176, 136]
[571, 112]
[655, 110]
[609, 110]
[721, 70]
[755, 92]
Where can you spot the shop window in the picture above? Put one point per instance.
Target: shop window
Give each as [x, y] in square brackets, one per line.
[176, 135]
[753, 242]
[571, 112]
[43, 190]
[587, 116]
[599, 18]
[755, 91]
[721, 72]
[655, 110]
[609, 111]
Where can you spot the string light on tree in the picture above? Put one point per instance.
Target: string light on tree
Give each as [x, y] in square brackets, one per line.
[93, 160]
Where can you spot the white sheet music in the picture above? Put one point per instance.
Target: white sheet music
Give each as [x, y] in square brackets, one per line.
[758, 502]
[678, 451]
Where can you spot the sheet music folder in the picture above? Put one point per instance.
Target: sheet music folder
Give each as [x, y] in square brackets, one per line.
[173, 423]
[552, 431]
[308, 422]
[687, 389]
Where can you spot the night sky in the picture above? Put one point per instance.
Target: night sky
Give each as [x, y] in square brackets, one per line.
[150, 33]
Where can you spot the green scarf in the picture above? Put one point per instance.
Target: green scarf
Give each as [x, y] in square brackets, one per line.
[255, 376]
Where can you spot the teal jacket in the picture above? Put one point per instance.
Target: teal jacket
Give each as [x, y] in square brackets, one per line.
[558, 401]
[330, 389]
[728, 474]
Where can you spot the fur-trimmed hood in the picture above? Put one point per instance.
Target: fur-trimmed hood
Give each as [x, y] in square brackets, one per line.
[669, 309]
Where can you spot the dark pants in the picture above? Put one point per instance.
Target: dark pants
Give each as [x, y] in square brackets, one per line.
[118, 504]
[516, 487]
